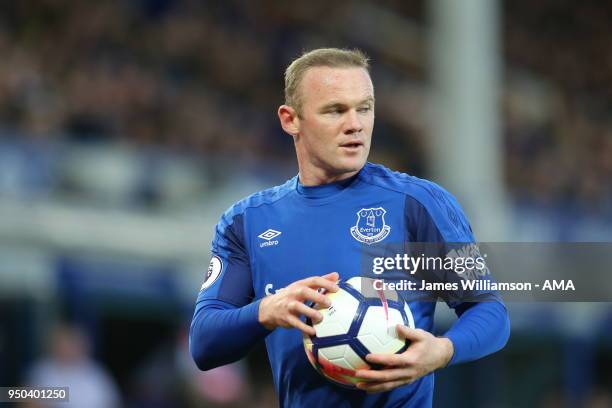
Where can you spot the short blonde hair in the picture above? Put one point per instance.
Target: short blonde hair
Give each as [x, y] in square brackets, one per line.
[321, 57]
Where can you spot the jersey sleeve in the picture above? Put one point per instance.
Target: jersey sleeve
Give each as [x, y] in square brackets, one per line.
[229, 278]
[225, 323]
[438, 224]
[483, 326]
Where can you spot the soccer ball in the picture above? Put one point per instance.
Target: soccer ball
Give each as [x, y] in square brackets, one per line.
[360, 321]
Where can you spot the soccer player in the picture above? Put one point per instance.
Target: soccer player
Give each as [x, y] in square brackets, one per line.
[274, 250]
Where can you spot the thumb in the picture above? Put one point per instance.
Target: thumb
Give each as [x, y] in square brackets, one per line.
[332, 276]
[408, 333]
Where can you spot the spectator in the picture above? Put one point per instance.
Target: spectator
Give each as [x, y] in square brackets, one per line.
[69, 364]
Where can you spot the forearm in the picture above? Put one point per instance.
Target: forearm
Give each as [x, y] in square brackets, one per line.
[481, 329]
[221, 334]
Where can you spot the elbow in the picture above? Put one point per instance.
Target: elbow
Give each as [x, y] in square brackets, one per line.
[202, 359]
[201, 349]
[203, 355]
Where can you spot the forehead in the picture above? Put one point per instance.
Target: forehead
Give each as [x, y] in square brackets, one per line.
[322, 84]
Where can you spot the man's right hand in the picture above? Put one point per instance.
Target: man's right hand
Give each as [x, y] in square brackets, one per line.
[286, 306]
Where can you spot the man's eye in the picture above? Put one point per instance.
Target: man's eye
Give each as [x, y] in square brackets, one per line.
[364, 109]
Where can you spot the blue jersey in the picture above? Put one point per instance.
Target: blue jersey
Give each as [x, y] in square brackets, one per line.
[290, 232]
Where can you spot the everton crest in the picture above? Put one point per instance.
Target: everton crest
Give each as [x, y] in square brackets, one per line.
[370, 227]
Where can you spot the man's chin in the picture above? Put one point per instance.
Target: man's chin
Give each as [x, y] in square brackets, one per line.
[351, 165]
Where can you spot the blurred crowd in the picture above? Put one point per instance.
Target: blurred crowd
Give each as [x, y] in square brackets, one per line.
[206, 78]
[141, 72]
[559, 103]
[164, 378]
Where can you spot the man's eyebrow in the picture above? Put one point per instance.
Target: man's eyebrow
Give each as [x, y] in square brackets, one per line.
[366, 100]
[334, 105]
[369, 99]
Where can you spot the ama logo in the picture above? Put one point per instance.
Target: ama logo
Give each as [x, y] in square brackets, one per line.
[370, 227]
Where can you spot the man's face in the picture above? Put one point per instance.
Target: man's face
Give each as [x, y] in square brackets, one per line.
[337, 118]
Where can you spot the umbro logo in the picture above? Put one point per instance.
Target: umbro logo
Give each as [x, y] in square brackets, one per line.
[268, 236]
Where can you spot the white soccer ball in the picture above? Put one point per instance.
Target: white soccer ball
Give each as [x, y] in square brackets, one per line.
[361, 320]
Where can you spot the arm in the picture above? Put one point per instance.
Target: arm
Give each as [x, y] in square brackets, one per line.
[227, 321]
[481, 329]
[224, 325]
[483, 325]
[222, 333]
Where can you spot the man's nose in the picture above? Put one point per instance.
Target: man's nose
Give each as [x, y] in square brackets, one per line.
[353, 122]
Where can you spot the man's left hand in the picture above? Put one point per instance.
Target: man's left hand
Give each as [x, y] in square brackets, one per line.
[425, 354]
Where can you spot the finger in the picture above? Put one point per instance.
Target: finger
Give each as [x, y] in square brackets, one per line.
[300, 325]
[390, 360]
[408, 333]
[320, 282]
[381, 386]
[389, 374]
[308, 294]
[332, 276]
[301, 309]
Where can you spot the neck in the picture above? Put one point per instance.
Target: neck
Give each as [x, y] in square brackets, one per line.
[315, 174]
[310, 179]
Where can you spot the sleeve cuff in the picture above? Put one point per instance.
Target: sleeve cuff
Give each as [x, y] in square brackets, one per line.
[457, 340]
[251, 314]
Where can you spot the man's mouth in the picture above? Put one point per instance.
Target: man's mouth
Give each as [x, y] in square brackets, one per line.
[352, 145]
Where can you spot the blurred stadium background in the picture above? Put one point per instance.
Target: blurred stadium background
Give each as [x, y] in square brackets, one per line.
[127, 127]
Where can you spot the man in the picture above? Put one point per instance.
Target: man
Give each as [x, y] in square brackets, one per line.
[297, 237]
[69, 364]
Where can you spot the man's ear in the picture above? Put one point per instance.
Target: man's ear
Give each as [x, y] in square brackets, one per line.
[289, 120]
